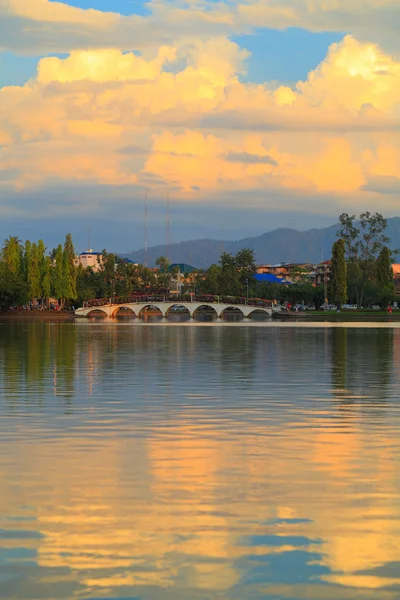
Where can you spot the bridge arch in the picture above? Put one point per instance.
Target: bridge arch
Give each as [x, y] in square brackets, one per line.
[127, 311]
[161, 309]
[186, 309]
[233, 309]
[259, 310]
[199, 307]
[97, 311]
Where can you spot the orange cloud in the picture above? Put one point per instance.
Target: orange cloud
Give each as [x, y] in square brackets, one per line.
[203, 131]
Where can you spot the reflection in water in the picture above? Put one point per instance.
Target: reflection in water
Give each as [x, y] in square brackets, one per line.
[198, 462]
[369, 377]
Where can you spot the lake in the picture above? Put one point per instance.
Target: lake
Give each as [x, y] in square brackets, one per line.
[199, 461]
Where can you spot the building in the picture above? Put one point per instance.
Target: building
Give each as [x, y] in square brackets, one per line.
[396, 280]
[322, 271]
[91, 259]
[292, 272]
[270, 278]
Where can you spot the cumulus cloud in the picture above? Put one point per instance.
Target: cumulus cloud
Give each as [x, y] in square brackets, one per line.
[374, 20]
[45, 26]
[109, 118]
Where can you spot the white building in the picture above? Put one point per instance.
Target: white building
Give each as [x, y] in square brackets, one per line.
[91, 259]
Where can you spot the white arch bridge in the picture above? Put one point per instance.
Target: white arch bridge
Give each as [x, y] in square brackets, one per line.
[139, 308]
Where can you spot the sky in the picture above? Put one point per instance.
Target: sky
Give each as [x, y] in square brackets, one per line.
[248, 114]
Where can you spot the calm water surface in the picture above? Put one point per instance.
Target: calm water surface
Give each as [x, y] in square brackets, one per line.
[199, 462]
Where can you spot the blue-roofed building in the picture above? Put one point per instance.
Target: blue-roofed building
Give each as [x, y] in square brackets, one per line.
[270, 278]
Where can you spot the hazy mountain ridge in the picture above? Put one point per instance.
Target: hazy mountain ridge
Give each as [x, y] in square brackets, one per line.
[278, 245]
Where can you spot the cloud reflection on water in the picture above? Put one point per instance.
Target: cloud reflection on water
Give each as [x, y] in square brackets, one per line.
[199, 462]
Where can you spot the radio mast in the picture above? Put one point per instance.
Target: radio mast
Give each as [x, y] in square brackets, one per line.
[146, 241]
[168, 228]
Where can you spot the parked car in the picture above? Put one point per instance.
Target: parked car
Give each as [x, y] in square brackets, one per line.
[329, 307]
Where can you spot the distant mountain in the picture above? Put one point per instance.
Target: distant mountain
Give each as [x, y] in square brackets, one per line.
[279, 245]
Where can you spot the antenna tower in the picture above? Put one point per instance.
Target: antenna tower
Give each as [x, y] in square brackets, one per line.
[88, 239]
[168, 240]
[146, 240]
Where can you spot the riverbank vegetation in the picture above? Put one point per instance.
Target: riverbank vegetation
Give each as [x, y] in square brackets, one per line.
[30, 275]
[360, 273]
[361, 267]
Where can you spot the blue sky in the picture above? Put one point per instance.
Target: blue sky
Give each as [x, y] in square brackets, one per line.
[123, 7]
[285, 56]
[252, 114]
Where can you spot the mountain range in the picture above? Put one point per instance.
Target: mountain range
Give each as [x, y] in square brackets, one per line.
[272, 247]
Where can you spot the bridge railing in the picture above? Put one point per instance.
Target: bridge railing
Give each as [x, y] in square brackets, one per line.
[155, 298]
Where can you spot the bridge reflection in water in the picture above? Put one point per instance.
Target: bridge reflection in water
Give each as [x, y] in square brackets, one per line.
[139, 309]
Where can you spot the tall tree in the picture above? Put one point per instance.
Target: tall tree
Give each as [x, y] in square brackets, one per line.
[69, 269]
[164, 275]
[107, 273]
[11, 254]
[230, 283]
[210, 281]
[13, 289]
[34, 274]
[41, 256]
[246, 266]
[58, 274]
[46, 279]
[364, 239]
[384, 276]
[26, 259]
[338, 273]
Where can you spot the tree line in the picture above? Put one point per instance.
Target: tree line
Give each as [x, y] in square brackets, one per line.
[361, 266]
[361, 272]
[31, 275]
[28, 273]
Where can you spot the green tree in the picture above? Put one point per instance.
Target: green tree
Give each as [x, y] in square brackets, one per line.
[364, 239]
[210, 281]
[246, 266]
[86, 281]
[300, 275]
[46, 279]
[338, 274]
[26, 259]
[11, 254]
[58, 274]
[107, 275]
[41, 257]
[69, 269]
[384, 277]
[34, 274]
[164, 276]
[13, 289]
[230, 283]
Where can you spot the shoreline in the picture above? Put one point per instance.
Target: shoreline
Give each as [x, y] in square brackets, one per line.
[37, 315]
[327, 316]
